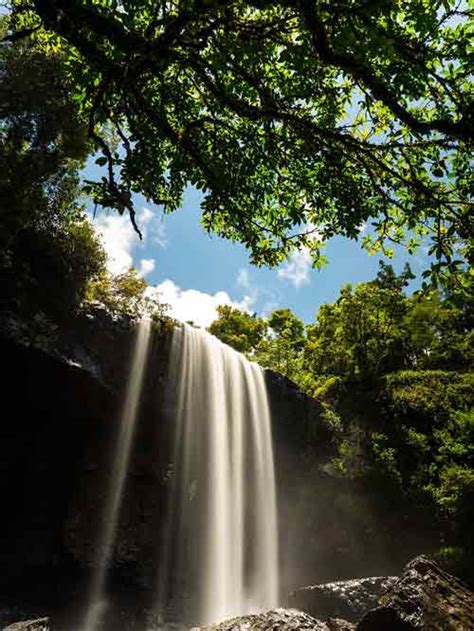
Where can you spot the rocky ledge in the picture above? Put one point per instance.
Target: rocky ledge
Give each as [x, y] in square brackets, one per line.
[349, 599]
[423, 597]
[41, 624]
[280, 619]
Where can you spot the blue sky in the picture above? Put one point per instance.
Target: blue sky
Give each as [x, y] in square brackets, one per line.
[194, 271]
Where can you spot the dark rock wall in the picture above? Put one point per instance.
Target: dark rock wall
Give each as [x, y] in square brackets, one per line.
[142, 507]
[50, 414]
[57, 431]
[332, 527]
[348, 599]
[424, 597]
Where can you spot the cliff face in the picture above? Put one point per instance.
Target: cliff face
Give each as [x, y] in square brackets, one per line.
[333, 527]
[62, 397]
[52, 412]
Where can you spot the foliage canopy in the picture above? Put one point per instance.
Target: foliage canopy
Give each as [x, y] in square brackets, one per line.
[372, 329]
[393, 375]
[298, 119]
[237, 328]
[51, 259]
[49, 250]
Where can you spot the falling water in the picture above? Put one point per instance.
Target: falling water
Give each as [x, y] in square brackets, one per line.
[220, 551]
[96, 602]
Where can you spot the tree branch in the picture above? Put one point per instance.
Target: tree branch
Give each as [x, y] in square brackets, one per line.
[464, 128]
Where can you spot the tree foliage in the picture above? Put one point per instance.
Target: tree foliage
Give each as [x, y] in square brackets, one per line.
[371, 329]
[296, 118]
[423, 449]
[281, 350]
[284, 323]
[362, 334]
[393, 374]
[49, 250]
[43, 139]
[127, 293]
[51, 258]
[240, 330]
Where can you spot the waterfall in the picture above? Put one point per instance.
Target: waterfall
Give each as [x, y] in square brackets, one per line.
[220, 551]
[118, 472]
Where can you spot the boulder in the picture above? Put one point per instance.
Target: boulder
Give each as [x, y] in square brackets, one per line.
[424, 597]
[349, 599]
[40, 624]
[279, 619]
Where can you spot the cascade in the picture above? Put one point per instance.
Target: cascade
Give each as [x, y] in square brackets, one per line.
[96, 604]
[220, 549]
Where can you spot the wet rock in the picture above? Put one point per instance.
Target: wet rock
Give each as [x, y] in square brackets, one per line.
[387, 619]
[424, 597]
[347, 599]
[274, 619]
[40, 624]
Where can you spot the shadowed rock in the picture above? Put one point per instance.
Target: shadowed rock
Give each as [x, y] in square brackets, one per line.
[41, 624]
[347, 599]
[279, 619]
[424, 597]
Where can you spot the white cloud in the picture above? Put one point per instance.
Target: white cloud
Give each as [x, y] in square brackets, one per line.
[119, 238]
[296, 270]
[246, 303]
[153, 226]
[252, 292]
[243, 278]
[363, 228]
[158, 233]
[146, 266]
[194, 305]
[145, 216]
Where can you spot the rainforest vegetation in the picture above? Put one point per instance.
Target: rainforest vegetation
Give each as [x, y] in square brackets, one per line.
[51, 259]
[298, 121]
[408, 360]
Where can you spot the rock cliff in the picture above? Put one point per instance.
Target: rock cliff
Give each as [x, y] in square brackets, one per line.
[62, 394]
